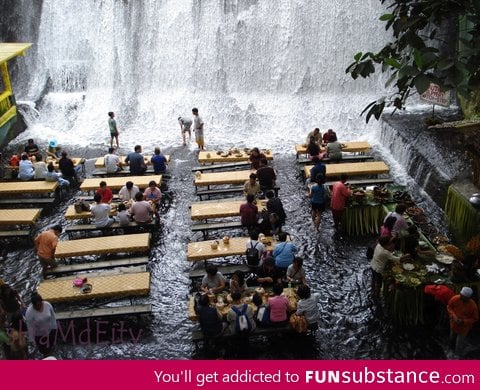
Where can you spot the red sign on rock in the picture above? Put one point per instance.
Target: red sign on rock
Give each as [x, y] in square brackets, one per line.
[435, 95]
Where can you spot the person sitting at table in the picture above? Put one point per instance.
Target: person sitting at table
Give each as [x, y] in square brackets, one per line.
[159, 162]
[128, 191]
[268, 274]
[400, 228]
[101, 212]
[25, 169]
[334, 149]
[39, 166]
[249, 213]
[318, 168]
[329, 134]
[317, 136]
[105, 192]
[251, 186]
[279, 306]
[313, 149]
[68, 169]
[296, 272]
[209, 318]
[387, 226]
[237, 282]
[31, 148]
[239, 307]
[284, 252]
[275, 206]
[381, 256]
[53, 150]
[45, 245]
[53, 175]
[112, 161]
[141, 210]
[153, 195]
[253, 243]
[213, 282]
[123, 216]
[136, 161]
[266, 176]
[308, 306]
[254, 158]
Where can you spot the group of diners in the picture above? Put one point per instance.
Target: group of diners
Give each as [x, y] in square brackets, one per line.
[275, 312]
[32, 164]
[323, 146]
[134, 204]
[136, 161]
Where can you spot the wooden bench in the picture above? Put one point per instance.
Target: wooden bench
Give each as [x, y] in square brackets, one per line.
[97, 265]
[364, 182]
[26, 201]
[224, 269]
[125, 173]
[218, 167]
[88, 228]
[6, 234]
[206, 227]
[326, 160]
[229, 190]
[104, 312]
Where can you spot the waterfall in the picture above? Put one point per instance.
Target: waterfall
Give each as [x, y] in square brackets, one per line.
[262, 71]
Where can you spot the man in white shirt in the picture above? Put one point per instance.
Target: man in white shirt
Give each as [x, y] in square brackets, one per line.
[112, 161]
[141, 210]
[101, 212]
[128, 192]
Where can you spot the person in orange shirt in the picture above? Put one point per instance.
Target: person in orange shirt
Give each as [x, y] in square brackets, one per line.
[105, 192]
[340, 194]
[45, 245]
[463, 313]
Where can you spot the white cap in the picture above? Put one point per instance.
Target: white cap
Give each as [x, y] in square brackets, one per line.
[466, 292]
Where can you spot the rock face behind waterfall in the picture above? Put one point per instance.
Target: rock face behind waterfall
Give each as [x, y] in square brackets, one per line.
[433, 157]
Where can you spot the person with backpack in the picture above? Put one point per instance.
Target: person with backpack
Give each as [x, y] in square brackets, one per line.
[279, 306]
[240, 316]
[255, 249]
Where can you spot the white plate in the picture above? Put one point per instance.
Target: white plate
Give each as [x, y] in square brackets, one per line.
[444, 259]
[408, 266]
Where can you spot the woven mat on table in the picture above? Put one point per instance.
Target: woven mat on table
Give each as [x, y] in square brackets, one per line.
[217, 178]
[28, 187]
[352, 169]
[115, 183]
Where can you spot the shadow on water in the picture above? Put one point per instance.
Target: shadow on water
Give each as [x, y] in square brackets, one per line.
[351, 326]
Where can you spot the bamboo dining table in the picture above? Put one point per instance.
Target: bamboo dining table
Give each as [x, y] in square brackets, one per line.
[220, 209]
[106, 286]
[28, 187]
[352, 147]
[212, 156]
[19, 216]
[71, 214]
[103, 245]
[115, 183]
[352, 169]
[203, 250]
[218, 178]
[100, 161]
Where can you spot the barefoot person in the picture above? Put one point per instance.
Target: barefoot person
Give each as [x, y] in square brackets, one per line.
[198, 129]
[45, 245]
[112, 124]
[185, 126]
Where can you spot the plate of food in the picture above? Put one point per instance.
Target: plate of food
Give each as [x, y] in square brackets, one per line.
[408, 266]
[444, 259]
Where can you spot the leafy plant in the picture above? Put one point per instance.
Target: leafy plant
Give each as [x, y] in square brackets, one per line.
[414, 58]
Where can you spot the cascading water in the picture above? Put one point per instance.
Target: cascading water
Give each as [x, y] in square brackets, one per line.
[252, 67]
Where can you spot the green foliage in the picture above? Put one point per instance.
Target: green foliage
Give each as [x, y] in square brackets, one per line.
[413, 59]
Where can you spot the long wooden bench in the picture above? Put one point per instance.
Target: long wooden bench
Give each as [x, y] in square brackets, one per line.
[88, 228]
[104, 312]
[6, 234]
[103, 173]
[353, 158]
[97, 265]
[26, 201]
[365, 182]
[224, 269]
[229, 190]
[206, 227]
[218, 167]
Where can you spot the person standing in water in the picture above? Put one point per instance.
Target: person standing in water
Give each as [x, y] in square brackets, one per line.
[198, 129]
[112, 124]
[185, 126]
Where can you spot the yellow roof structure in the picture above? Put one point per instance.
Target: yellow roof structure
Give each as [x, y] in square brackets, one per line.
[12, 50]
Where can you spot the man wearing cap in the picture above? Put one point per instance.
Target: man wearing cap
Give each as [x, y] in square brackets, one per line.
[185, 127]
[463, 313]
